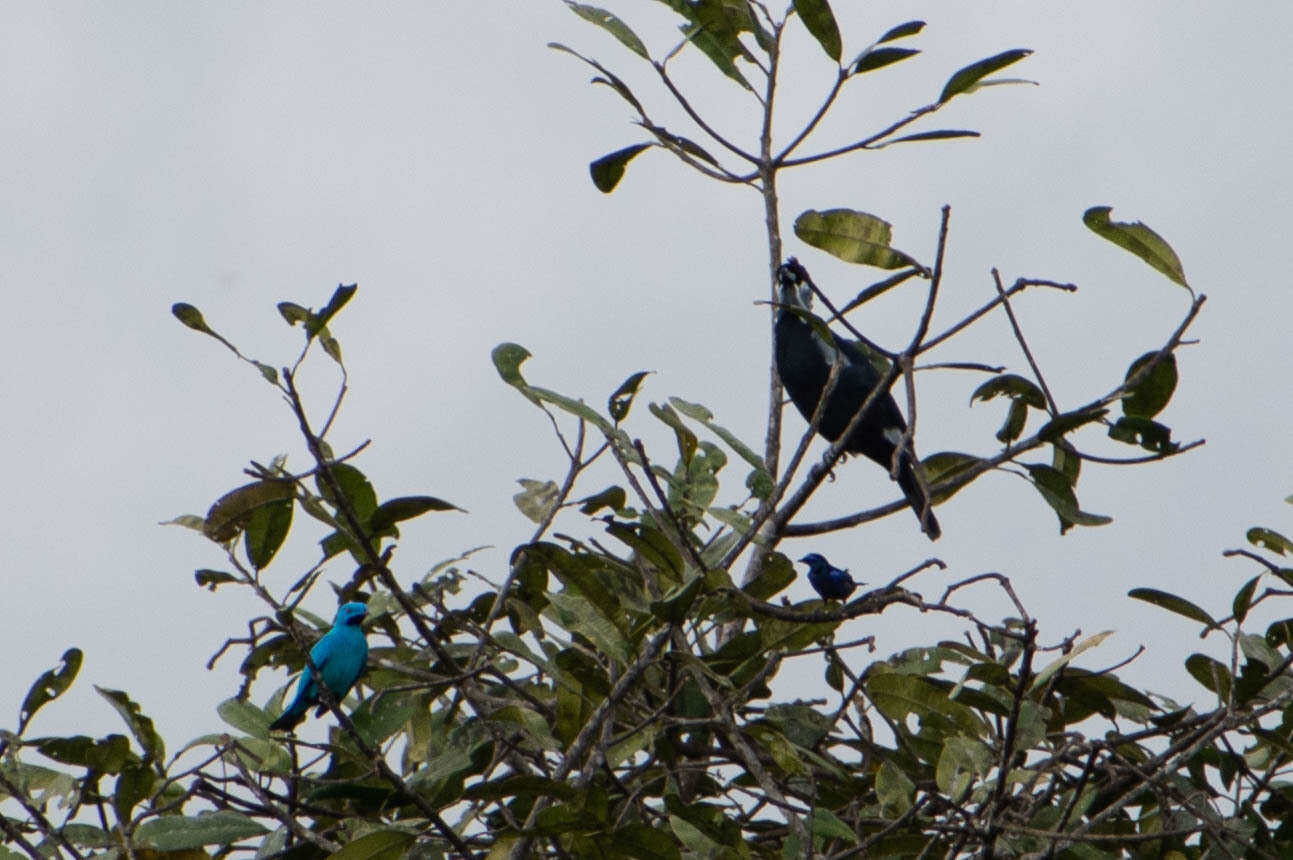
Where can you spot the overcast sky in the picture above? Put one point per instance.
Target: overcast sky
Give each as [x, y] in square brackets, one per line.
[236, 155]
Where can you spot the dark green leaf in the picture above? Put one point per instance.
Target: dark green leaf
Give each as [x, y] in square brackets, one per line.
[230, 512]
[1148, 397]
[777, 573]
[965, 80]
[1066, 423]
[1013, 386]
[1244, 599]
[1211, 673]
[138, 723]
[50, 685]
[293, 313]
[852, 236]
[937, 134]
[134, 783]
[191, 317]
[356, 491]
[406, 508]
[1148, 434]
[621, 400]
[612, 25]
[1058, 493]
[318, 322]
[184, 832]
[266, 529]
[608, 170]
[878, 58]
[508, 358]
[1173, 603]
[612, 497]
[820, 21]
[105, 756]
[1013, 426]
[211, 579]
[902, 31]
[943, 466]
[672, 608]
[687, 441]
[1270, 540]
[1138, 239]
[677, 142]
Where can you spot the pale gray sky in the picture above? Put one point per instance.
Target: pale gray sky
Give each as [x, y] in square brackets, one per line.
[236, 155]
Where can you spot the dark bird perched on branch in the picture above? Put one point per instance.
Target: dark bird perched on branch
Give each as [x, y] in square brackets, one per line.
[827, 579]
[804, 362]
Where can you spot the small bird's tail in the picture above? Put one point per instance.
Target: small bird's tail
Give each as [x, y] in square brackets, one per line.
[916, 497]
[288, 720]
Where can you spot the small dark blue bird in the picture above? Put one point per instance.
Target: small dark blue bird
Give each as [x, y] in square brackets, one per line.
[340, 656]
[804, 362]
[827, 579]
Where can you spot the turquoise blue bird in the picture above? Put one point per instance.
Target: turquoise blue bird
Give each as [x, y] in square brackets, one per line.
[829, 581]
[340, 656]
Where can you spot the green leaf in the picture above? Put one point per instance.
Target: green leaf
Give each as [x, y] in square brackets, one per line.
[356, 490]
[612, 25]
[212, 579]
[105, 756]
[293, 313]
[1244, 599]
[191, 317]
[937, 134]
[134, 783]
[1148, 397]
[828, 825]
[231, 511]
[878, 58]
[1139, 240]
[537, 500]
[1062, 425]
[673, 607]
[1270, 540]
[621, 400]
[820, 22]
[965, 79]
[944, 465]
[318, 322]
[612, 497]
[902, 31]
[398, 510]
[1013, 386]
[140, 725]
[687, 442]
[381, 845]
[50, 685]
[508, 358]
[1058, 493]
[266, 529]
[1211, 673]
[1013, 427]
[1148, 434]
[893, 788]
[183, 832]
[245, 717]
[898, 695]
[775, 575]
[1173, 603]
[608, 170]
[607, 77]
[852, 236]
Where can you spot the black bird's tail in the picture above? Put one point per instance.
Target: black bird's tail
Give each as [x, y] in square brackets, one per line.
[916, 497]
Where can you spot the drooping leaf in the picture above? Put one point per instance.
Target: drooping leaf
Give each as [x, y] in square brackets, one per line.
[966, 79]
[608, 170]
[820, 22]
[293, 313]
[852, 236]
[1055, 488]
[1244, 599]
[1270, 539]
[1173, 603]
[1148, 397]
[1013, 386]
[621, 400]
[106, 755]
[878, 58]
[191, 317]
[686, 439]
[357, 492]
[944, 465]
[612, 25]
[50, 685]
[1140, 240]
[231, 511]
[266, 529]
[1062, 425]
[138, 723]
[1211, 673]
